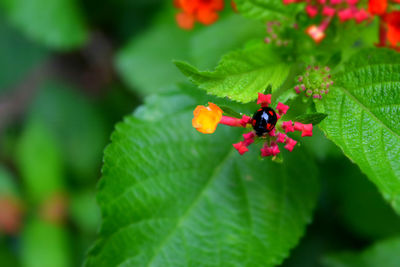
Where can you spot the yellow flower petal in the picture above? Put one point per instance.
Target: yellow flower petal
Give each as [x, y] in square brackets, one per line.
[206, 119]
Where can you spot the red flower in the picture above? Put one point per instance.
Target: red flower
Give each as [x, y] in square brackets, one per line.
[377, 7]
[203, 11]
[392, 20]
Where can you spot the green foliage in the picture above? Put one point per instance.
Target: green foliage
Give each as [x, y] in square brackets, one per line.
[385, 253]
[39, 160]
[17, 56]
[7, 183]
[266, 9]
[363, 118]
[33, 17]
[78, 131]
[240, 74]
[44, 245]
[313, 118]
[206, 46]
[171, 196]
[145, 63]
[359, 204]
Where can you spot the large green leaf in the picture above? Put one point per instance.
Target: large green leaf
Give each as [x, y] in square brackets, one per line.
[385, 253]
[56, 23]
[241, 74]
[266, 9]
[363, 117]
[171, 196]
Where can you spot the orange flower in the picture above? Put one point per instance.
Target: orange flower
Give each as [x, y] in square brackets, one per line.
[203, 11]
[206, 119]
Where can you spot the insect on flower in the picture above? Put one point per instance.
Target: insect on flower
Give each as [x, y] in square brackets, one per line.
[266, 125]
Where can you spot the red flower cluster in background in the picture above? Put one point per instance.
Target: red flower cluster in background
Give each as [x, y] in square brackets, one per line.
[344, 9]
[203, 11]
[389, 28]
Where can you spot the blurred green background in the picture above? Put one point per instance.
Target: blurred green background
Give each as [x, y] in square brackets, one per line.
[69, 70]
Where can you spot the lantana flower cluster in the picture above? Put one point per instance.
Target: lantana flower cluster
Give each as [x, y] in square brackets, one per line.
[315, 82]
[344, 9]
[203, 11]
[206, 120]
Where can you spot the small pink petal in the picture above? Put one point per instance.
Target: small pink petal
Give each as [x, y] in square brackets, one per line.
[241, 148]
[282, 109]
[361, 15]
[281, 138]
[345, 14]
[312, 11]
[287, 126]
[264, 100]
[272, 133]
[290, 143]
[298, 126]
[307, 130]
[328, 11]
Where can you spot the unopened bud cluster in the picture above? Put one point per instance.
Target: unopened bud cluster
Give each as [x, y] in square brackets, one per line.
[273, 34]
[315, 82]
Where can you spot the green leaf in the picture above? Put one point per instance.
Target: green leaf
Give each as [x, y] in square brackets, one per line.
[206, 46]
[359, 204]
[146, 62]
[7, 183]
[18, 56]
[56, 23]
[363, 117]
[39, 160]
[230, 112]
[171, 196]
[44, 244]
[313, 118]
[240, 75]
[266, 9]
[385, 253]
[80, 131]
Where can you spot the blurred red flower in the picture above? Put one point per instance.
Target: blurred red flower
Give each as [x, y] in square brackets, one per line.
[203, 11]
